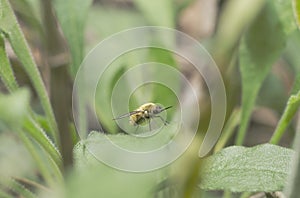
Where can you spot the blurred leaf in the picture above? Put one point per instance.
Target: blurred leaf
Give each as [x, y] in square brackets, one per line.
[4, 194]
[284, 9]
[21, 190]
[113, 183]
[6, 72]
[238, 169]
[291, 54]
[28, 11]
[158, 13]
[12, 154]
[100, 19]
[296, 86]
[260, 48]
[72, 16]
[98, 140]
[11, 29]
[234, 18]
[271, 88]
[296, 8]
[14, 107]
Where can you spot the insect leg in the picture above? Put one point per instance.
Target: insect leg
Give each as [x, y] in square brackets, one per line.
[136, 129]
[164, 121]
[149, 124]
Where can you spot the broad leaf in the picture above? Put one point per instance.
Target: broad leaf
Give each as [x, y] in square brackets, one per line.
[238, 169]
[260, 48]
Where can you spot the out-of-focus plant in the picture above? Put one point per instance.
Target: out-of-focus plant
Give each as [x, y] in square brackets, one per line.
[251, 36]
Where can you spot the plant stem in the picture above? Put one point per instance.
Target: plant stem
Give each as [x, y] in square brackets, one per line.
[292, 189]
[288, 114]
[228, 130]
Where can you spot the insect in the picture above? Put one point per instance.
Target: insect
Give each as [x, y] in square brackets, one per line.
[144, 114]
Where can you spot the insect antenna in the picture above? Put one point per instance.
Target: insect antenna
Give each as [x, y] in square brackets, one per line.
[166, 108]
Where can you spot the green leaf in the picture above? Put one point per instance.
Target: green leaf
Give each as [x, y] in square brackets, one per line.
[113, 182]
[72, 15]
[21, 190]
[10, 28]
[158, 13]
[37, 133]
[98, 26]
[260, 48]
[14, 108]
[285, 13]
[238, 169]
[296, 8]
[6, 72]
[100, 140]
[234, 18]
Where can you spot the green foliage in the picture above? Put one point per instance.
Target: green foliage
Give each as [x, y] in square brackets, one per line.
[72, 16]
[258, 51]
[257, 33]
[285, 14]
[158, 13]
[114, 182]
[238, 169]
[6, 72]
[14, 108]
[10, 28]
[296, 8]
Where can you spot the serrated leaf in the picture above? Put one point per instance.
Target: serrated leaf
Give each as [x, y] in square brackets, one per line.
[72, 15]
[260, 48]
[238, 169]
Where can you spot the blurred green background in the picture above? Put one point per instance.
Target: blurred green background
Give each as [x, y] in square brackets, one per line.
[254, 43]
